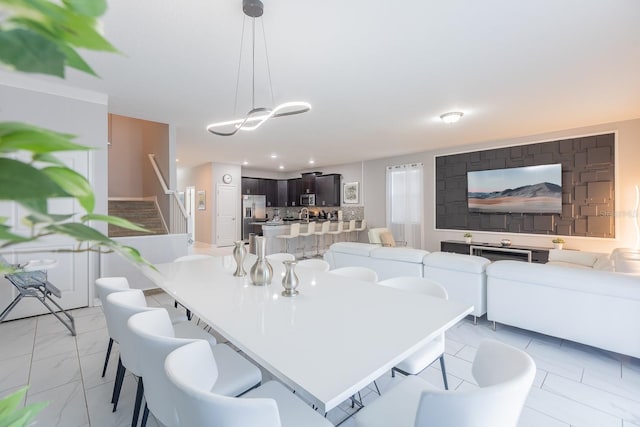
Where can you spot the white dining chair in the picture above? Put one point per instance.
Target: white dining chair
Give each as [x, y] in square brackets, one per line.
[310, 231]
[108, 285]
[324, 229]
[155, 338]
[121, 306]
[187, 258]
[193, 372]
[280, 257]
[294, 232]
[356, 272]
[504, 375]
[422, 358]
[314, 264]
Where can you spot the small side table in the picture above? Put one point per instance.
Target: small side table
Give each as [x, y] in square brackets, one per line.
[34, 284]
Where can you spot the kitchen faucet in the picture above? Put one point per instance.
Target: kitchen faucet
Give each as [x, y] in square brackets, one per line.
[304, 210]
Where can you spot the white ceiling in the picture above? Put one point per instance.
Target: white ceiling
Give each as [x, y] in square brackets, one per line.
[376, 72]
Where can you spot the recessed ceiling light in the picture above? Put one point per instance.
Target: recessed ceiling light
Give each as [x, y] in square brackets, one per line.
[177, 160]
[451, 117]
[274, 156]
[245, 163]
[281, 167]
[311, 161]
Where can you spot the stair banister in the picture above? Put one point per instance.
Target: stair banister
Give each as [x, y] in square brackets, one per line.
[176, 226]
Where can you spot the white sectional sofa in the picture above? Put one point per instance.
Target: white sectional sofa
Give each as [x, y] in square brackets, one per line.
[463, 276]
[594, 307]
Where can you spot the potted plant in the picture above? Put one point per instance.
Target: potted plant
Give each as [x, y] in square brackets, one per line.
[467, 237]
[558, 243]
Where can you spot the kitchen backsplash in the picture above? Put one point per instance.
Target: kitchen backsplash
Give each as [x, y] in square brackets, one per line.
[348, 212]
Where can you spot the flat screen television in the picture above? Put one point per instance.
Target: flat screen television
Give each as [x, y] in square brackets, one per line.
[529, 189]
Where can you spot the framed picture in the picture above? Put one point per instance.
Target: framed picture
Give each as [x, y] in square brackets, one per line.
[350, 192]
[201, 200]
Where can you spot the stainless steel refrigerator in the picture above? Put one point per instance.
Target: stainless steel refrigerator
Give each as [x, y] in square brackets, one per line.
[253, 209]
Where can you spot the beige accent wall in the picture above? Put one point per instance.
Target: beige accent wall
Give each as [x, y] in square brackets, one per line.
[130, 172]
[200, 178]
[627, 176]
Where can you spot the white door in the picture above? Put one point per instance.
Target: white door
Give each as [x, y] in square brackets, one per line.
[72, 270]
[226, 215]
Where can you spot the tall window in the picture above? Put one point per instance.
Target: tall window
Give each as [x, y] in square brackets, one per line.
[405, 203]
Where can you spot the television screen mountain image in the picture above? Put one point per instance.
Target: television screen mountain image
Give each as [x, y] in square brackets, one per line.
[531, 189]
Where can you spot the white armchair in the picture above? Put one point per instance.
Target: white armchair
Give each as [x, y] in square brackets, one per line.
[383, 236]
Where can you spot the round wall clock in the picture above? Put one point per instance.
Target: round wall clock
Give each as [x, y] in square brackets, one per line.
[226, 178]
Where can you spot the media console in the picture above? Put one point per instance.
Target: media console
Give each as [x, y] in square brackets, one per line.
[496, 252]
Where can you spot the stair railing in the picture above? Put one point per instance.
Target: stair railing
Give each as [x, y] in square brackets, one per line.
[178, 221]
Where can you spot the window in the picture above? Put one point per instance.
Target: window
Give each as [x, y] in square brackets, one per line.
[405, 203]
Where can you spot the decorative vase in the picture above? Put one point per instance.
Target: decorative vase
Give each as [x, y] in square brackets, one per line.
[290, 280]
[558, 245]
[505, 242]
[467, 239]
[239, 253]
[261, 272]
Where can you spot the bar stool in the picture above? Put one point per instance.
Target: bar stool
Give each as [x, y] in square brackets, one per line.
[311, 228]
[351, 229]
[294, 232]
[363, 226]
[335, 233]
[324, 229]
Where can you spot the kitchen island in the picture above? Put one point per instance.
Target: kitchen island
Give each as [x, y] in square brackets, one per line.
[271, 229]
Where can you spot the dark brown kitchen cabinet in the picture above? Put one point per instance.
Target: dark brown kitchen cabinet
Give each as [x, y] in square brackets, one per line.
[283, 193]
[250, 186]
[308, 183]
[271, 191]
[328, 190]
[294, 188]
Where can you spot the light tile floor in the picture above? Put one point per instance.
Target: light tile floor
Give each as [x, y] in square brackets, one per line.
[575, 385]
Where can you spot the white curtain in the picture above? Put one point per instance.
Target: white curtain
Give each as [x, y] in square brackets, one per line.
[405, 203]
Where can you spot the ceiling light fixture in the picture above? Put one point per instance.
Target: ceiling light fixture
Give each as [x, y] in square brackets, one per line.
[311, 161]
[256, 115]
[274, 156]
[281, 167]
[245, 163]
[451, 117]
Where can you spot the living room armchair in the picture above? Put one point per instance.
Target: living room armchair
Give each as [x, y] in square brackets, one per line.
[383, 236]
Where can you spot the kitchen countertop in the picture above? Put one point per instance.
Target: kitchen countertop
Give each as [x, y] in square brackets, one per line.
[303, 221]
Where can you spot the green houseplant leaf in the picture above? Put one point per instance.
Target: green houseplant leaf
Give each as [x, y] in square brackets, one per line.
[73, 184]
[11, 415]
[30, 52]
[114, 220]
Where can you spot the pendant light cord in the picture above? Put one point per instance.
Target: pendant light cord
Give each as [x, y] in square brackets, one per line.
[235, 103]
[253, 63]
[266, 54]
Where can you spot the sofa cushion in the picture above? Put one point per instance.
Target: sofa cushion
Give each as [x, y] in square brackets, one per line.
[457, 262]
[399, 254]
[387, 239]
[585, 259]
[354, 248]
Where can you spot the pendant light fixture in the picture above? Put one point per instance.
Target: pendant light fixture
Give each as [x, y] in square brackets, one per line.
[256, 115]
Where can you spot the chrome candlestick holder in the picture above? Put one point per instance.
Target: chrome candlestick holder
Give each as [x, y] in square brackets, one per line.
[261, 272]
[239, 252]
[290, 280]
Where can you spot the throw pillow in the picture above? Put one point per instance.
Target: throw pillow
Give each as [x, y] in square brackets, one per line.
[387, 239]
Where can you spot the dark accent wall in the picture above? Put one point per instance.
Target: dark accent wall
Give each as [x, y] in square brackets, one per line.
[588, 196]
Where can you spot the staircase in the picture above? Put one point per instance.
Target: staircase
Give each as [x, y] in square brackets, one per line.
[142, 212]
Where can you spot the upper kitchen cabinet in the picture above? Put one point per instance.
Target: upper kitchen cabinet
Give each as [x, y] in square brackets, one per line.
[251, 186]
[271, 191]
[283, 193]
[308, 183]
[328, 190]
[294, 188]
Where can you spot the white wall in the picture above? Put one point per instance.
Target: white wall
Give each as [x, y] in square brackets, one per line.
[69, 110]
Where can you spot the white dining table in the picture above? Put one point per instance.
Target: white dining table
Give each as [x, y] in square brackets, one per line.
[327, 343]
